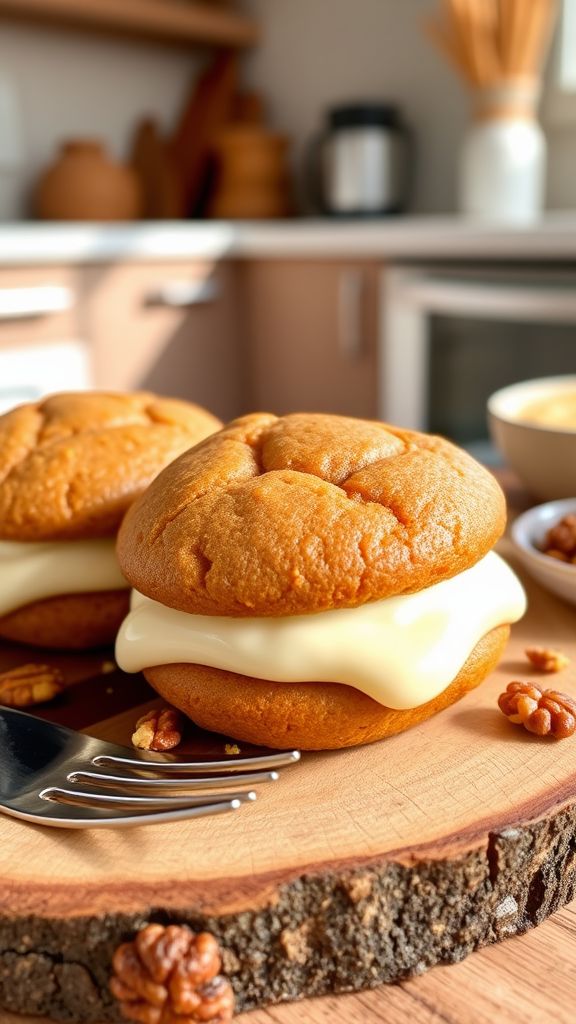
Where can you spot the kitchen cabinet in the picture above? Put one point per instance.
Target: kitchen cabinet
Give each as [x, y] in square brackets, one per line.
[170, 327]
[232, 334]
[311, 330]
[38, 304]
[42, 346]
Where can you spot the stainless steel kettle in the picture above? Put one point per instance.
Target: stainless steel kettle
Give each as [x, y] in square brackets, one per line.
[360, 165]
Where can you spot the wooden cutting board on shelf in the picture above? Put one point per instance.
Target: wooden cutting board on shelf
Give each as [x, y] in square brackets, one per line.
[356, 867]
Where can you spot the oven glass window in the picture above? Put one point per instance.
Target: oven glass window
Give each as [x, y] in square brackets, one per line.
[470, 358]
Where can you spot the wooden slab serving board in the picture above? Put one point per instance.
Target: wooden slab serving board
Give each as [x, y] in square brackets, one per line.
[528, 980]
[357, 867]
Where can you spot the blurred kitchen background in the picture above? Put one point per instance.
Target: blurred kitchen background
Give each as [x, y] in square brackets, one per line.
[362, 207]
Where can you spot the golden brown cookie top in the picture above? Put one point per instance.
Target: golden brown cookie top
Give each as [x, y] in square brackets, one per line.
[280, 516]
[70, 465]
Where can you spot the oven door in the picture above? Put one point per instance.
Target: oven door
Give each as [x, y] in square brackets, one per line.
[452, 336]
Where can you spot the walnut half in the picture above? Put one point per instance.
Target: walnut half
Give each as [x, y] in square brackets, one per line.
[560, 540]
[159, 729]
[546, 659]
[30, 684]
[169, 975]
[542, 712]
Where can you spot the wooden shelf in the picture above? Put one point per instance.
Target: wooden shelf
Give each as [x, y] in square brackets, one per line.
[177, 22]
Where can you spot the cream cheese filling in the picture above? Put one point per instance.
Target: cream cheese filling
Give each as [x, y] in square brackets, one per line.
[402, 651]
[35, 570]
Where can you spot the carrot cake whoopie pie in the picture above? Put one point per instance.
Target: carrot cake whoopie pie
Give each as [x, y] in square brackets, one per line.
[316, 581]
[70, 465]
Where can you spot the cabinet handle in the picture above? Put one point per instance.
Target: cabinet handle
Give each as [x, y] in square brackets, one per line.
[351, 335]
[20, 303]
[180, 294]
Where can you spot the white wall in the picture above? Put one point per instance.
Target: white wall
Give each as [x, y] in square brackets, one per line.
[75, 85]
[561, 167]
[315, 53]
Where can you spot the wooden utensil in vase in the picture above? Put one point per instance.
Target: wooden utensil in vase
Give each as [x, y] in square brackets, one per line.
[207, 111]
[161, 187]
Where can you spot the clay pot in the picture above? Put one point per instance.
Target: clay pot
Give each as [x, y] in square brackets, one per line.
[85, 184]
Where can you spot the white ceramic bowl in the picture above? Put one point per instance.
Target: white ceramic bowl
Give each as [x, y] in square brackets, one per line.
[528, 533]
[543, 457]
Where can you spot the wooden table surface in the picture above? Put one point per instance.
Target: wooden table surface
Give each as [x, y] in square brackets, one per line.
[529, 979]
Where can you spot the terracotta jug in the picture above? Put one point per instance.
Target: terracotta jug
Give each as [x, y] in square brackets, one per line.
[85, 184]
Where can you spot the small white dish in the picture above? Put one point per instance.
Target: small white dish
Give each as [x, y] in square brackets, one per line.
[544, 457]
[528, 533]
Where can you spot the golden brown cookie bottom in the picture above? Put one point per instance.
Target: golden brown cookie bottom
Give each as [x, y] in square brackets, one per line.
[68, 622]
[312, 716]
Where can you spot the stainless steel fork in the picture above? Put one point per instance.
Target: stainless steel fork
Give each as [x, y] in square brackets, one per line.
[53, 776]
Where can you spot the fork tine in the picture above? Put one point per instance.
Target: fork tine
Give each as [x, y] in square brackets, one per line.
[193, 783]
[161, 762]
[74, 816]
[98, 797]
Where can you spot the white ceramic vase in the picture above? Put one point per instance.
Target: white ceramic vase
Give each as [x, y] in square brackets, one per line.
[502, 173]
